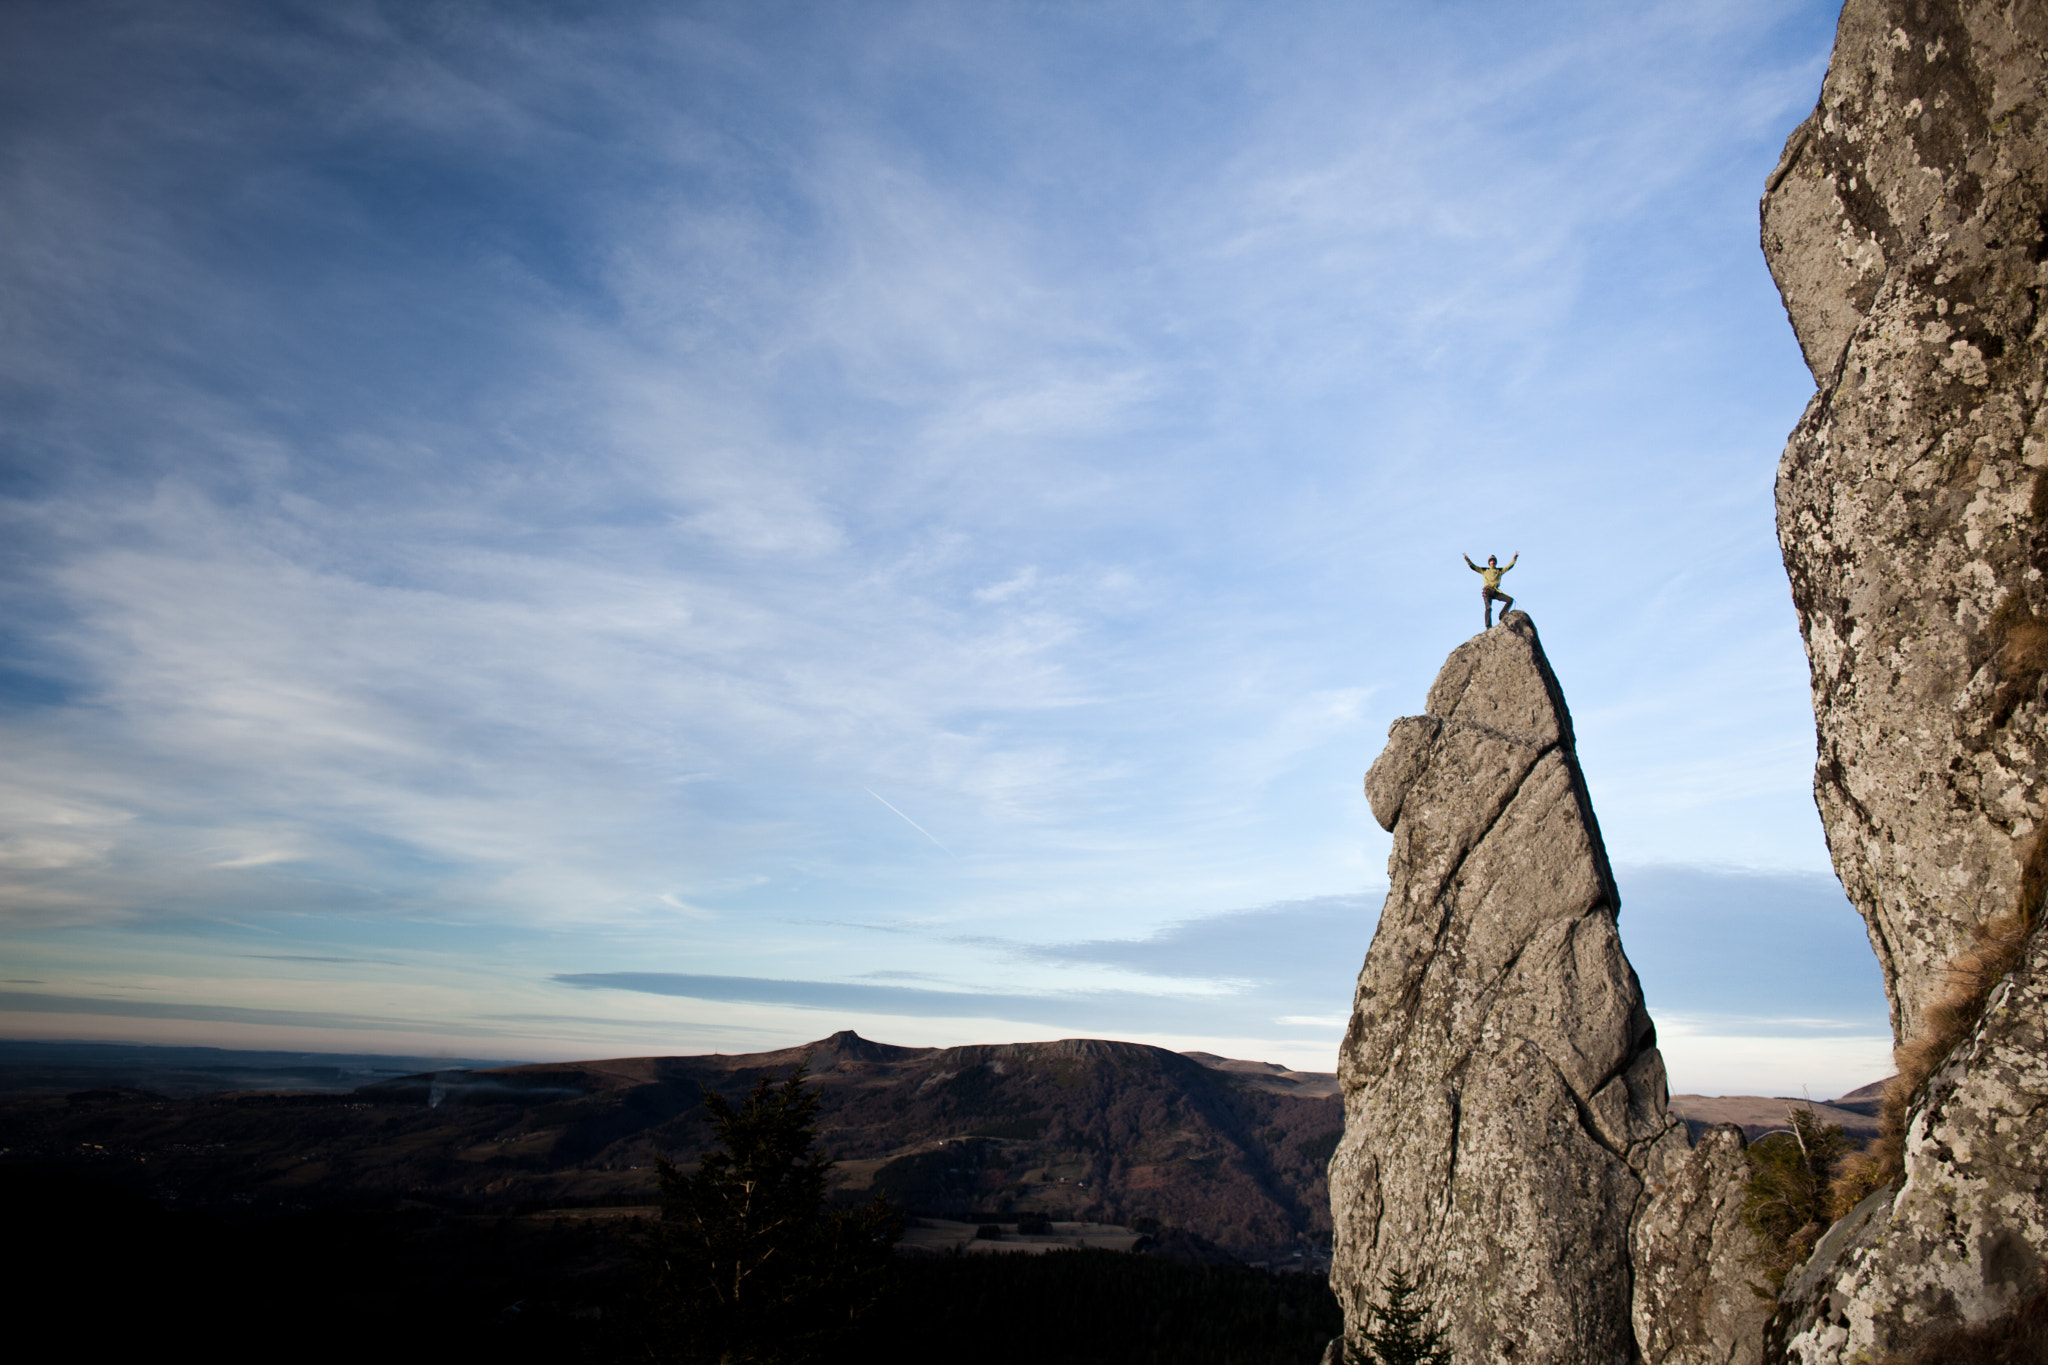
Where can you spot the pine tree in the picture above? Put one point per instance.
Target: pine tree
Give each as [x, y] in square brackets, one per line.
[1398, 1333]
[749, 1266]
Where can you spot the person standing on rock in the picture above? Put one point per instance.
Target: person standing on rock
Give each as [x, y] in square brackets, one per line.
[1490, 592]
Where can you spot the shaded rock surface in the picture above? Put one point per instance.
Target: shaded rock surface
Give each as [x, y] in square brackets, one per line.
[1905, 228]
[1694, 1304]
[1502, 1088]
[1965, 1239]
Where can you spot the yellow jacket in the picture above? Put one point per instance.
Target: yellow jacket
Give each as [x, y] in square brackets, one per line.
[1489, 572]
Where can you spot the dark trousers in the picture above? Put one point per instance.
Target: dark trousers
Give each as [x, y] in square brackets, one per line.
[1489, 596]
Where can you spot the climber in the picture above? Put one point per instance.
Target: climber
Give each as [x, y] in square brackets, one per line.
[1491, 593]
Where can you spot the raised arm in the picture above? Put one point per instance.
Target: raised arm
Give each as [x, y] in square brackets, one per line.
[1470, 565]
[1511, 562]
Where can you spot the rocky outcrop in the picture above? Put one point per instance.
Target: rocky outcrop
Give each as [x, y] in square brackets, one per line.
[1965, 1240]
[1905, 227]
[1694, 1301]
[1503, 1092]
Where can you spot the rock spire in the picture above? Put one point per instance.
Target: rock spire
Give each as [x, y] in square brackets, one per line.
[1502, 1086]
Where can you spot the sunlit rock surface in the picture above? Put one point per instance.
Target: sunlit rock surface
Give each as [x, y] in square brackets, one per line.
[1907, 227]
[1904, 226]
[1694, 1301]
[1503, 1091]
[1966, 1238]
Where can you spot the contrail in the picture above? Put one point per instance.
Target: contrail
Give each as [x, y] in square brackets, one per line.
[908, 821]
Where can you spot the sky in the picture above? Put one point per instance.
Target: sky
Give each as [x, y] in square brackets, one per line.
[546, 531]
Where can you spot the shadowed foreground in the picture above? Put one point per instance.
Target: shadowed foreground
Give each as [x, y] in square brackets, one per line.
[413, 1281]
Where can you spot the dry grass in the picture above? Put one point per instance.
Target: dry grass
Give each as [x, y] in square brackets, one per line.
[1945, 1024]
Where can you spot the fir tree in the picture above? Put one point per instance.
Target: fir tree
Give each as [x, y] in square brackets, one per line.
[1398, 1332]
[1786, 1200]
[749, 1266]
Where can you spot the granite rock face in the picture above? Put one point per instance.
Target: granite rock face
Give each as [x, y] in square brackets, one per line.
[1694, 1304]
[1503, 1090]
[1907, 228]
[1966, 1236]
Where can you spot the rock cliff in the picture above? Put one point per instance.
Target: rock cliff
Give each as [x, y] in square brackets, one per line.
[1963, 1240]
[1502, 1087]
[1907, 227]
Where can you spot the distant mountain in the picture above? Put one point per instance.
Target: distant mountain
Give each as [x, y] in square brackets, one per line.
[1232, 1151]
[62, 1067]
[1856, 1112]
[1271, 1077]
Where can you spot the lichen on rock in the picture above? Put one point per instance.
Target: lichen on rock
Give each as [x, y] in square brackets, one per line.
[1907, 228]
[1503, 1089]
[1965, 1238]
[1695, 1297]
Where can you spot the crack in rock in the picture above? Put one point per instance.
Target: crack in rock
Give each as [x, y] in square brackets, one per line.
[1500, 1069]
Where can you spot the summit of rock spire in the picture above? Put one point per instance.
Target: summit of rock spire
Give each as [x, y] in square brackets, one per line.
[1503, 1090]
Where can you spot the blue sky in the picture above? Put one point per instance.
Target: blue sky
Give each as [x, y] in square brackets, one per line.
[547, 531]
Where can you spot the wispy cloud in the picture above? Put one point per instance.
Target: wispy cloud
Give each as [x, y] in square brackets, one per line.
[541, 477]
[37, 1002]
[1091, 1013]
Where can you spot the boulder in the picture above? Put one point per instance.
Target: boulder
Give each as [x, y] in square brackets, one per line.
[1502, 1086]
[1696, 1295]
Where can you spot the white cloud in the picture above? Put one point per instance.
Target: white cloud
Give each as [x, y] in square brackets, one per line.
[1699, 1062]
[1021, 581]
[543, 481]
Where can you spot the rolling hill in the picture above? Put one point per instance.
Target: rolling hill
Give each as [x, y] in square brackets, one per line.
[1079, 1129]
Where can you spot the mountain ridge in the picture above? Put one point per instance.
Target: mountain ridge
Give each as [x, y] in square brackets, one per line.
[1080, 1129]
